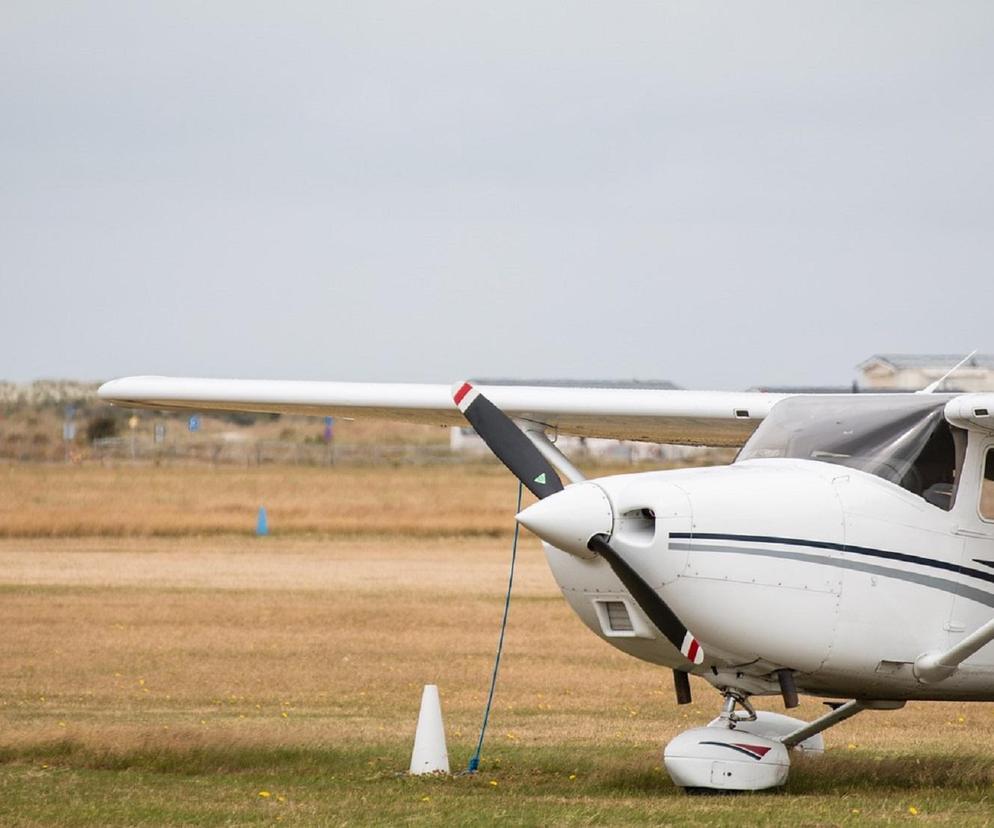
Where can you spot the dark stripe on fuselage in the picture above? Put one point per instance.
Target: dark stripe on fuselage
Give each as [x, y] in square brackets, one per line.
[959, 569]
[944, 584]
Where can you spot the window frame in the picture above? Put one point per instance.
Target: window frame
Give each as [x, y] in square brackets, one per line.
[986, 457]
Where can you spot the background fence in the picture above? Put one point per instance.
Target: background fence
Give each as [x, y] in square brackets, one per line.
[271, 452]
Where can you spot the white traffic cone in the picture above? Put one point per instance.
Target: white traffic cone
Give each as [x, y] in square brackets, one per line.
[430, 754]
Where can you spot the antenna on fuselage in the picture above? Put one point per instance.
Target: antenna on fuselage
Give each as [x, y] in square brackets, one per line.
[932, 386]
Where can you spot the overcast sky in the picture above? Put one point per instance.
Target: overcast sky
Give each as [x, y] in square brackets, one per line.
[720, 194]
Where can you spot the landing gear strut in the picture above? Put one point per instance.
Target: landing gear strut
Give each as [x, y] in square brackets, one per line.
[733, 699]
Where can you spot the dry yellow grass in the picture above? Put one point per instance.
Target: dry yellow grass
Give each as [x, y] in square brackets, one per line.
[298, 641]
[92, 501]
[218, 639]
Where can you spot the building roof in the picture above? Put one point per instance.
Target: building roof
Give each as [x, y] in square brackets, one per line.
[901, 362]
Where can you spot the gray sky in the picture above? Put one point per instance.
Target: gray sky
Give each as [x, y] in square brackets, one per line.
[721, 194]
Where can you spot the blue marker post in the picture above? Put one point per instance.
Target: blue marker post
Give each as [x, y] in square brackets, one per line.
[329, 439]
[262, 523]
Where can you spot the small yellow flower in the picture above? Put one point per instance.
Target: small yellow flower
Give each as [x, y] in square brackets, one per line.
[856, 811]
[426, 799]
[281, 798]
[572, 776]
[285, 715]
[493, 782]
[912, 810]
[265, 794]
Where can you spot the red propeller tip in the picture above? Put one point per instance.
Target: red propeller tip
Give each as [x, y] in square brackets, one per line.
[463, 390]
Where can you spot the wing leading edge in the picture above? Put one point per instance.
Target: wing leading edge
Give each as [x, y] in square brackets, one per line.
[705, 418]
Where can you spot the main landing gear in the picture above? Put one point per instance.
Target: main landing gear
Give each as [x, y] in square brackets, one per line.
[749, 750]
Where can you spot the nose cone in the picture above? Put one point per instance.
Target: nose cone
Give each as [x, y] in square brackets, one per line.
[570, 518]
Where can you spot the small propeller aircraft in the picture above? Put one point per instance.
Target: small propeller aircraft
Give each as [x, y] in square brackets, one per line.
[847, 553]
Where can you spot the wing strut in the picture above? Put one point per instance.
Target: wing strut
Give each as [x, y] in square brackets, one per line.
[933, 666]
[548, 449]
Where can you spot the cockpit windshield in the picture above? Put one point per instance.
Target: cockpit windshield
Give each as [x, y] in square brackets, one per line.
[905, 440]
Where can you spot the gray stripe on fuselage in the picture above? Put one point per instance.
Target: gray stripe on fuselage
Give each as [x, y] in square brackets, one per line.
[978, 595]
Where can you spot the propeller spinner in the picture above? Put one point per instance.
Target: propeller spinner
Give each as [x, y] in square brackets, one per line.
[579, 516]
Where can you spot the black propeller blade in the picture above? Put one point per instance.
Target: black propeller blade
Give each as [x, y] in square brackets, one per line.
[649, 601]
[517, 452]
[508, 442]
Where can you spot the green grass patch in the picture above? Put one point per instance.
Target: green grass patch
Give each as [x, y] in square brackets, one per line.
[67, 783]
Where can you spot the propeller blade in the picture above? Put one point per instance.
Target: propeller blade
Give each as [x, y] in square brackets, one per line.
[516, 451]
[508, 442]
[649, 601]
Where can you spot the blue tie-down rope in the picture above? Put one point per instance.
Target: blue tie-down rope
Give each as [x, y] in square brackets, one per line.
[474, 762]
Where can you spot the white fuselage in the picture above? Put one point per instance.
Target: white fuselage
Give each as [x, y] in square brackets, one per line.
[834, 573]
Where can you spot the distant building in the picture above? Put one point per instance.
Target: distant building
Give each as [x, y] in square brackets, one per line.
[912, 372]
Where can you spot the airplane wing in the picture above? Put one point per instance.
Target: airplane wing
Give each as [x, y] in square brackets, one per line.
[699, 418]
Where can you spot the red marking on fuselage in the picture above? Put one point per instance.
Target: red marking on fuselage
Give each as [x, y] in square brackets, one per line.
[464, 389]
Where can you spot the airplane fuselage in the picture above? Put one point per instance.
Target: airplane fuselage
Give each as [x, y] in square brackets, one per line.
[834, 573]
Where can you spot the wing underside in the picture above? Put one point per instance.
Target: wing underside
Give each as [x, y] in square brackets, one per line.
[705, 418]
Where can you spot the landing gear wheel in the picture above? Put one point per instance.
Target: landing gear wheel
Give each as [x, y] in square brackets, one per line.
[722, 758]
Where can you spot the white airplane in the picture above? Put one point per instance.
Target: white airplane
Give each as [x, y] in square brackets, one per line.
[847, 553]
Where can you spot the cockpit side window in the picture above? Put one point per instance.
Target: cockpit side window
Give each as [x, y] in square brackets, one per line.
[987, 487]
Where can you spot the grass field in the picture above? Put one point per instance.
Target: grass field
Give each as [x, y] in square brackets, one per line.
[163, 666]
